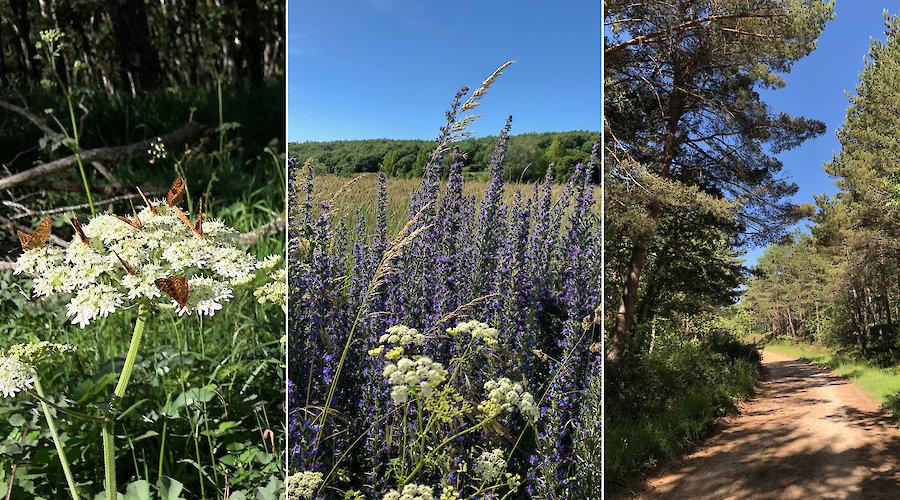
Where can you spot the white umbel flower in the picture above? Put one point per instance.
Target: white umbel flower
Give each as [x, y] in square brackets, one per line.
[411, 491]
[98, 301]
[490, 465]
[122, 258]
[15, 376]
[504, 395]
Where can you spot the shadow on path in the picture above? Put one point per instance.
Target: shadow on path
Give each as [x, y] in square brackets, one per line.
[807, 434]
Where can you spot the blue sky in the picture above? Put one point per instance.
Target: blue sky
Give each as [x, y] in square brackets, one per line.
[388, 68]
[817, 87]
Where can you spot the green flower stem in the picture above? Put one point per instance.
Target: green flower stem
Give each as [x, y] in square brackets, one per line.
[51, 424]
[87, 186]
[444, 443]
[109, 459]
[109, 445]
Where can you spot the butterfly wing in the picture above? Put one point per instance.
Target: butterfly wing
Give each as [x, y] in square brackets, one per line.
[175, 287]
[128, 267]
[175, 195]
[196, 228]
[151, 206]
[79, 230]
[198, 224]
[38, 238]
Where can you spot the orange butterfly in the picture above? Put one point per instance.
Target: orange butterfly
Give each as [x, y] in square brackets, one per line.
[134, 222]
[38, 238]
[78, 229]
[175, 287]
[151, 206]
[197, 226]
[175, 195]
[128, 267]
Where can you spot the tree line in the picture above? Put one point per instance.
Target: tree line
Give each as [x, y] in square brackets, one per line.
[528, 156]
[141, 46]
[840, 283]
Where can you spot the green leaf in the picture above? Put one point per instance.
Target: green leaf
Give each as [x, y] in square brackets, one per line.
[169, 489]
[138, 490]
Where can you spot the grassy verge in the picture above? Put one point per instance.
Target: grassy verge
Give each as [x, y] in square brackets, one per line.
[676, 394]
[882, 384]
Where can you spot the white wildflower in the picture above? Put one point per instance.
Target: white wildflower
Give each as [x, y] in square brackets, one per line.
[270, 262]
[303, 484]
[98, 301]
[490, 465]
[478, 330]
[205, 295]
[411, 491]
[275, 291]
[504, 395]
[402, 335]
[124, 257]
[408, 376]
[15, 376]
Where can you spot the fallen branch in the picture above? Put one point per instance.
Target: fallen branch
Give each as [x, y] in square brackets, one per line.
[28, 115]
[26, 212]
[252, 237]
[189, 132]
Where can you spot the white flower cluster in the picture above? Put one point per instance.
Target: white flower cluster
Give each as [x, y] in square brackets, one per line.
[157, 150]
[15, 376]
[275, 290]
[402, 335]
[420, 376]
[303, 484]
[478, 330]
[490, 465]
[119, 260]
[504, 395]
[411, 492]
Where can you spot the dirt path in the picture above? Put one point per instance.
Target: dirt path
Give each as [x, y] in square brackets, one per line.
[807, 434]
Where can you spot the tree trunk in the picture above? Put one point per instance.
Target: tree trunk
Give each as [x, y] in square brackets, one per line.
[26, 51]
[139, 60]
[625, 314]
[252, 42]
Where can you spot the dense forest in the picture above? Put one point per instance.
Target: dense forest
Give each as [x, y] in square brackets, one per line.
[137, 46]
[692, 177]
[528, 156]
[840, 284]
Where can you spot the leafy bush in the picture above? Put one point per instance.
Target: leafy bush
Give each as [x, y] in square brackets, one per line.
[659, 402]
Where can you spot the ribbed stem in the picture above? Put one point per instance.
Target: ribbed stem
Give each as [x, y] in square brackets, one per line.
[51, 424]
[109, 445]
